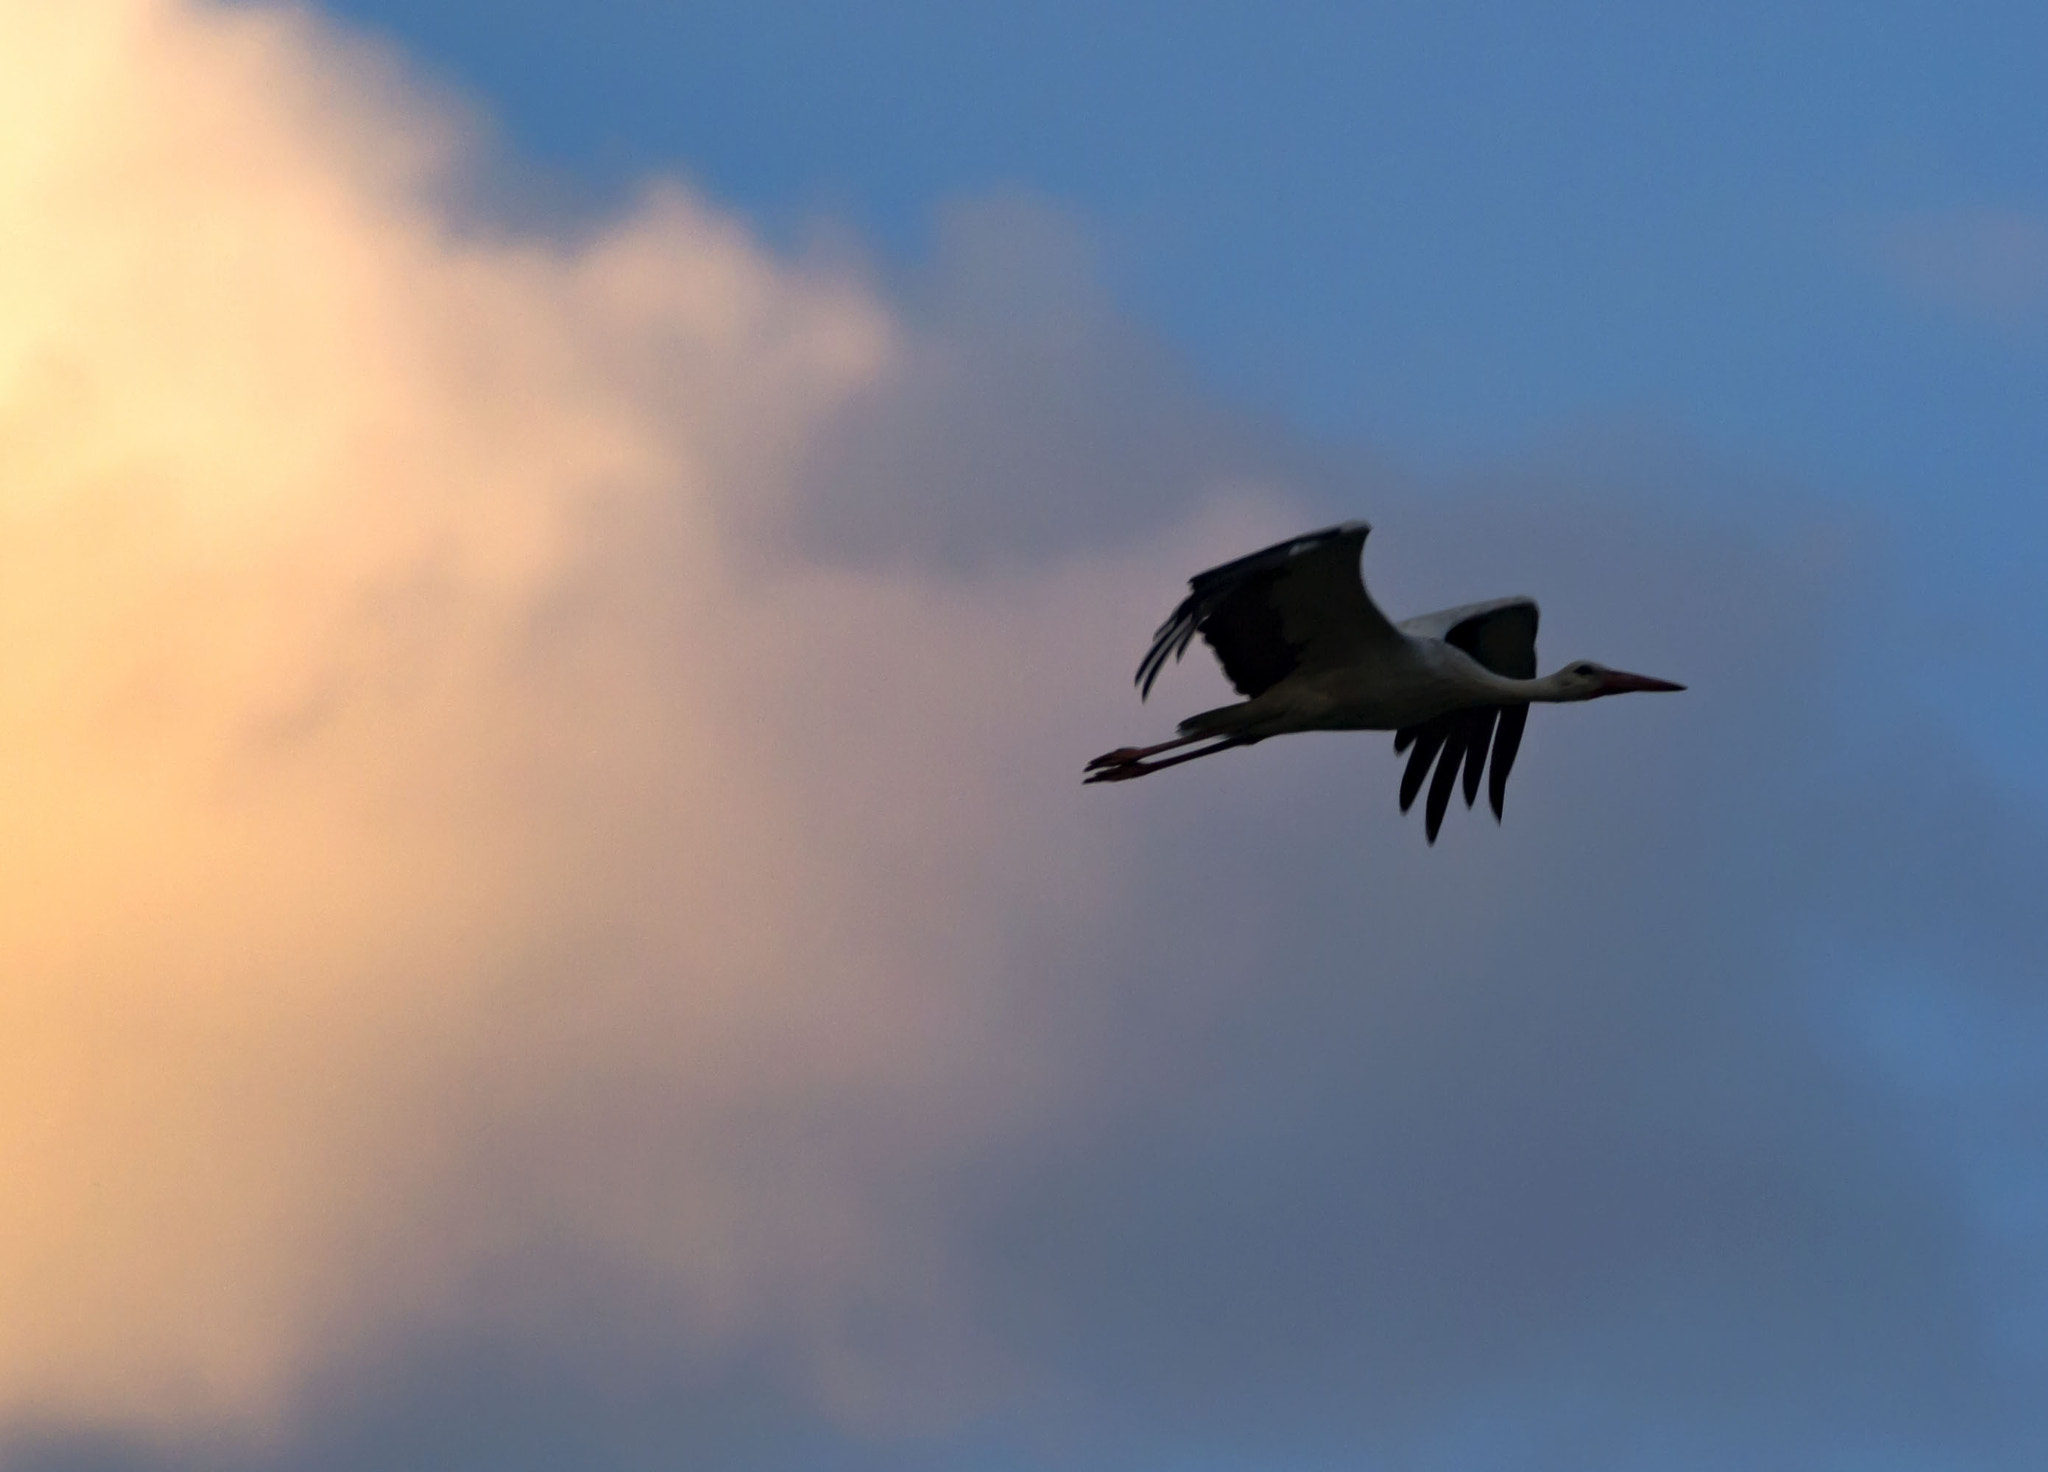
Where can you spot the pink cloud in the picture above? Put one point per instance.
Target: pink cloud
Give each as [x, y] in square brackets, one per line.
[434, 829]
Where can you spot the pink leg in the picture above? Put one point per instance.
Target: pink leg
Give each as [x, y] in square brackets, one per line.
[1124, 755]
[1124, 771]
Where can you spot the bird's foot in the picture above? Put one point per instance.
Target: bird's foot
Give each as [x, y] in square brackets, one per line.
[1121, 772]
[1120, 757]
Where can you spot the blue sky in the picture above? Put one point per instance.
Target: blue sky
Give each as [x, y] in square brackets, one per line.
[1806, 241]
[615, 967]
[1440, 230]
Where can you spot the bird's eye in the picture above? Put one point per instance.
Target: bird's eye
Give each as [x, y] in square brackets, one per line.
[1585, 669]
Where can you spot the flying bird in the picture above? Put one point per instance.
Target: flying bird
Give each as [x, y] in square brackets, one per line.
[1305, 645]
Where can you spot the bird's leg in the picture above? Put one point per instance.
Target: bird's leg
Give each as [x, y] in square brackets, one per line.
[1125, 770]
[1125, 755]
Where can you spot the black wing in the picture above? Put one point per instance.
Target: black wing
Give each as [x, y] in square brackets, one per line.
[1299, 604]
[1502, 637]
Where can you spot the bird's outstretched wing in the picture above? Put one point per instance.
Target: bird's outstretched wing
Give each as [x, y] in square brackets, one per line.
[1299, 604]
[1501, 635]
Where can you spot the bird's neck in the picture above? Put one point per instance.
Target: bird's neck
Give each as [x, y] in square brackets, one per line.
[1549, 688]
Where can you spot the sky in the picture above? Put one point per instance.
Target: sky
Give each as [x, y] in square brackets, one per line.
[561, 564]
[1809, 243]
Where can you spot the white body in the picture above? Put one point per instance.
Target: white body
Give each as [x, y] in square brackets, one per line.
[1394, 686]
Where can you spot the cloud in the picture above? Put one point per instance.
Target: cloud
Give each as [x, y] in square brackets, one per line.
[553, 920]
[433, 835]
[1025, 418]
[1989, 265]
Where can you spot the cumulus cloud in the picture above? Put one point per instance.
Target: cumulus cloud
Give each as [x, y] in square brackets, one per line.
[427, 828]
[550, 918]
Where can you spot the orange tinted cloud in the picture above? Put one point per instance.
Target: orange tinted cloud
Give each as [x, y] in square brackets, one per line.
[432, 829]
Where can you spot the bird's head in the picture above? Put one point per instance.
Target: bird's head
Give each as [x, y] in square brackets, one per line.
[1585, 680]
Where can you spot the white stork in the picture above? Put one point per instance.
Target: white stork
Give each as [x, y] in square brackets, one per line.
[1302, 641]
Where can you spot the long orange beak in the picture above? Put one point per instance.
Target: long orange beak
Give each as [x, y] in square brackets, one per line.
[1621, 682]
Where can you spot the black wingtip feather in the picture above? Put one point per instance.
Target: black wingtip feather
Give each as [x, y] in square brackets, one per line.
[1446, 781]
[1169, 642]
[1429, 740]
[1482, 725]
[1457, 748]
[1506, 742]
